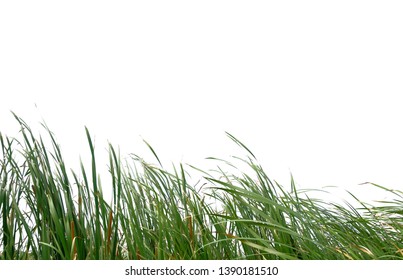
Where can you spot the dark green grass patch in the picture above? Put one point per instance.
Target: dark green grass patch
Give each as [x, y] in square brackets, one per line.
[50, 212]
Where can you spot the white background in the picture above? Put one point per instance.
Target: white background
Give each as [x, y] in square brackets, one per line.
[315, 270]
[313, 88]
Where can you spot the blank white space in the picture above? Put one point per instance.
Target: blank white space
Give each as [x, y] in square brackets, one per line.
[311, 87]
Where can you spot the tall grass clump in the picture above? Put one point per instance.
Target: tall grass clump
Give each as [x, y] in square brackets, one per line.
[234, 212]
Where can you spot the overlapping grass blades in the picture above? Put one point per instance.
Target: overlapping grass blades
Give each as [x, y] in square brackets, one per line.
[48, 212]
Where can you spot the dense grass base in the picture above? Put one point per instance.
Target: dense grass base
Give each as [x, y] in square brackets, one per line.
[47, 212]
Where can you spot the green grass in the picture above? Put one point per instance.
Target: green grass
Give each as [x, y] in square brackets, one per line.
[48, 212]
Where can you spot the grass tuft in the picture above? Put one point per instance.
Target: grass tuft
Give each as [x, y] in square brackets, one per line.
[49, 213]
